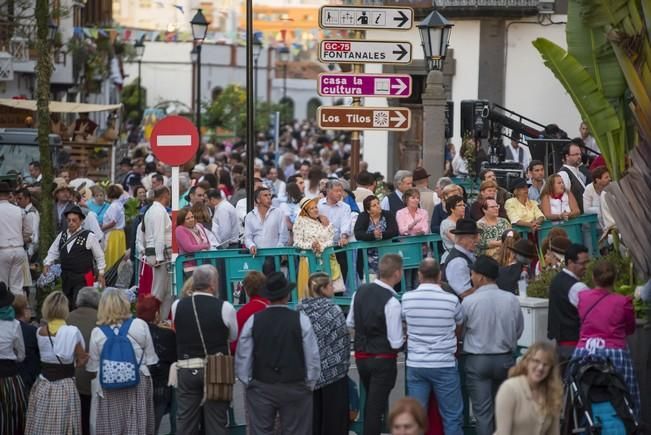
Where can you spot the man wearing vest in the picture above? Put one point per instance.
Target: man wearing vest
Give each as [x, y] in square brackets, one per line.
[461, 257]
[493, 324]
[218, 324]
[157, 227]
[402, 181]
[75, 249]
[563, 323]
[575, 176]
[278, 362]
[375, 315]
[428, 198]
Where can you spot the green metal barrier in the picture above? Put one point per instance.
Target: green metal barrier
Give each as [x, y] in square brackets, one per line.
[573, 227]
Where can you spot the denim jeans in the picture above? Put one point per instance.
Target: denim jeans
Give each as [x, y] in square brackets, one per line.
[446, 385]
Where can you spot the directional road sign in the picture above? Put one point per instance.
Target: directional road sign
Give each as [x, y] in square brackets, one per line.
[365, 85]
[174, 140]
[361, 51]
[364, 118]
[366, 17]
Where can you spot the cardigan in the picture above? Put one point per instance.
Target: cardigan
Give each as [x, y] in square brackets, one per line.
[307, 231]
[364, 220]
[516, 413]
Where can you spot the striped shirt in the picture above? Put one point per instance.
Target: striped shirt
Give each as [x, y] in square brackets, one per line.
[432, 315]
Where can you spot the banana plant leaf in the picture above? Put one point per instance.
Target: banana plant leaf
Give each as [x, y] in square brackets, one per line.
[590, 46]
[595, 109]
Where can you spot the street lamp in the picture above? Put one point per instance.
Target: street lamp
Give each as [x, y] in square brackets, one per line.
[199, 29]
[140, 51]
[435, 36]
[283, 53]
[257, 50]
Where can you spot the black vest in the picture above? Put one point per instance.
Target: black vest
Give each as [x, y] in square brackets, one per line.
[80, 259]
[563, 323]
[395, 203]
[278, 356]
[215, 332]
[370, 321]
[575, 187]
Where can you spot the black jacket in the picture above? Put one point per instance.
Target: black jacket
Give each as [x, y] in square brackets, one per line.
[364, 220]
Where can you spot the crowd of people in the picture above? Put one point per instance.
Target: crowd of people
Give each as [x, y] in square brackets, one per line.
[295, 363]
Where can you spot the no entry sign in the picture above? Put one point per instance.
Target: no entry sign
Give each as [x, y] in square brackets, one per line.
[174, 140]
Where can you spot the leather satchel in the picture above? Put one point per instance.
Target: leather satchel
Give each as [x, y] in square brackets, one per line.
[219, 370]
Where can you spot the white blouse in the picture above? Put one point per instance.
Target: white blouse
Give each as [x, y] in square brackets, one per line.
[65, 341]
[558, 206]
[115, 213]
[12, 346]
[307, 230]
[140, 339]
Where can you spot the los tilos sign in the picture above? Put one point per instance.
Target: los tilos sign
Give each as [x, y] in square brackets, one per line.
[361, 51]
[364, 118]
[366, 17]
[365, 85]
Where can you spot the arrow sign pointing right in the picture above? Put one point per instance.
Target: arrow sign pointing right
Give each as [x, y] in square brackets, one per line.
[402, 52]
[400, 87]
[402, 18]
[399, 119]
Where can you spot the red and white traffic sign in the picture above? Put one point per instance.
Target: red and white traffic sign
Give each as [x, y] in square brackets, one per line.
[174, 140]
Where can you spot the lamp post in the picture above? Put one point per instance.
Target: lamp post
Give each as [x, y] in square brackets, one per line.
[140, 51]
[283, 54]
[435, 34]
[199, 29]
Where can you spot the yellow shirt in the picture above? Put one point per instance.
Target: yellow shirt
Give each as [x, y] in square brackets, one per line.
[518, 212]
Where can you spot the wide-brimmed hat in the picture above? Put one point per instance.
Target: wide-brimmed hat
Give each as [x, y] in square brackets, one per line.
[277, 286]
[304, 202]
[525, 248]
[6, 297]
[5, 187]
[517, 183]
[487, 266]
[420, 173]
[559, 244]
[76, 210]
[465, 226]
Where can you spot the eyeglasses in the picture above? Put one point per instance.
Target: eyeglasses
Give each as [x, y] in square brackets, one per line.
[494, 206]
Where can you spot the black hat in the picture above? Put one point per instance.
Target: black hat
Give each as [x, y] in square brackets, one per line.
[465, 226]
[525, 248]
[5, 187]
[518, 183]
[277, 286]
[420, 173]
[487, 266]
[76, 210]
[125, 161]
[6, 297]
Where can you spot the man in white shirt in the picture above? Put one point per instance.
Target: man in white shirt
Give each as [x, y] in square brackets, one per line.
[15, 231]
[24, 201]
[225, 223]
[365, 187]
[434, 321]
[518, 152]
[588, 139]
[340, 216]
[158, 246]
[278, 187]
[574, 176]
[536, 172]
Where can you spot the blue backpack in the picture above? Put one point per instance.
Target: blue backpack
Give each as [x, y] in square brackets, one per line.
[118, 366]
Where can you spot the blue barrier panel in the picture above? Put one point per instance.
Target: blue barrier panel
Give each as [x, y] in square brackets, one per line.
[573, 227]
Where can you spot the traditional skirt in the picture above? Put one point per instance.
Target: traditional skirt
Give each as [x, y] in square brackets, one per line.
[13, 404]
[116, 245]
[54, 408]
[621, 360]
[126, 411]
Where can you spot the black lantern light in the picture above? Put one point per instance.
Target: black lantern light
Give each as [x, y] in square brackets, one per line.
[435, 35]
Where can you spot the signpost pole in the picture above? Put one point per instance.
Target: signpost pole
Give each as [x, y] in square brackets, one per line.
[176, 194]
[355, 137]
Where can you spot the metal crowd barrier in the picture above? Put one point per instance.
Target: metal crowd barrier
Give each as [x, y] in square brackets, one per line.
[574, 228]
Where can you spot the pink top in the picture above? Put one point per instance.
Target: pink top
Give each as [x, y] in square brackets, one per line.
[404, 219]
[609, 322]
[190, 242]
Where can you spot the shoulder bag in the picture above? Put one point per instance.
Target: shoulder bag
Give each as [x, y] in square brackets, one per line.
[219, 370]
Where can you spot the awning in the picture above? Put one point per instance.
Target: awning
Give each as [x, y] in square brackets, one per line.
[59, 106]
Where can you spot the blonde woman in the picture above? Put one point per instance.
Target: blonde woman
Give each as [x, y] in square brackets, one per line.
[54, 404]
[529, 402]
[129, 410]
[314, 232]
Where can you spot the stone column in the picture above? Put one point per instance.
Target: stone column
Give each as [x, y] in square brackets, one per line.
[434, 100]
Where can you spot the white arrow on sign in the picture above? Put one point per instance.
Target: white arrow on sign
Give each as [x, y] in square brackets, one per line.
[362, 51]
[400, 119]
[366, 17]
[401, 86]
